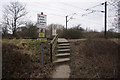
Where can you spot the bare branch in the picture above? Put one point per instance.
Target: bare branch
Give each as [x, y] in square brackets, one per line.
[12, 14]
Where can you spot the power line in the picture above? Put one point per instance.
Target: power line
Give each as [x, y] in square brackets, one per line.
[55, 14]
[88, 9]
[72, 6]
[60, 15]
[65, 10]
[58, 9]
[47, 8]
[49, 13]
[89, 20]
[93, 11]
[94, 6]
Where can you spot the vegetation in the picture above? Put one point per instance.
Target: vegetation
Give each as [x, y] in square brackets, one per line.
[95, 58]
[22, 59]
[91, 56]
[31, 31]
[76, 32]
[13, 13]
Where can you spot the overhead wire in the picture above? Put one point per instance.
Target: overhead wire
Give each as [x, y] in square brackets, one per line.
[92, 11]
[58, 9]
[94, 6]
[72, 6]
[87, 19]
[49, 13]
[76, 7]
[85, 9]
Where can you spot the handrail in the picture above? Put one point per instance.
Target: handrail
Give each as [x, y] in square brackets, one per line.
[53, 45]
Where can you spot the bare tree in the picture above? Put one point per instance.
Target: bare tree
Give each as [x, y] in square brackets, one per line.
[12, 14]
[115, 9]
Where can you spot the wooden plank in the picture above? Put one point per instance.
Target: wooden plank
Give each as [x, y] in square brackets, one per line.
[62, 60]
[63, 54]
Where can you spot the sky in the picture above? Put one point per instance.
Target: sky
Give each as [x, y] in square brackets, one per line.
[56, 10]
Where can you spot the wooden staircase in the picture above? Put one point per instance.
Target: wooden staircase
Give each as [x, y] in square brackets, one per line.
[63, 51]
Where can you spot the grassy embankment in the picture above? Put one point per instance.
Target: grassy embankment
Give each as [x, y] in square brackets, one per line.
[21, 58]
[95, 58]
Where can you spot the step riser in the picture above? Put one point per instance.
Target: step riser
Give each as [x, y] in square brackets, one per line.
[62, 42]
[63, 51]
[64, 48]
[61, 63]
[65, 56]
[63, 45]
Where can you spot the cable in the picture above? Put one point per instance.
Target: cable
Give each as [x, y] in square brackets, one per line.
[65, 10]
[72, 6]
[49, 13]
[92, 11]
[81, 8]
[94, 6]
[87, 20]
[54, 9]
[47, 8]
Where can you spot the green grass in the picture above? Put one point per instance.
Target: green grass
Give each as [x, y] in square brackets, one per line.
[33, 46]
[22, 48]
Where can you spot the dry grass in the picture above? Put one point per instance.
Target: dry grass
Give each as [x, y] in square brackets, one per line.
[22, 59]
[94, 58]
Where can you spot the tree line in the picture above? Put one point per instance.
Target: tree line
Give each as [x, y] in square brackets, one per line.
[13, 25]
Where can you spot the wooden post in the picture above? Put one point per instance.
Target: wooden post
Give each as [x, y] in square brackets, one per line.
[66, 22]
[51, 52]
[105, 20]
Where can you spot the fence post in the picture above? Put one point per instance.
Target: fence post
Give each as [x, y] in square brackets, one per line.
[51, 52]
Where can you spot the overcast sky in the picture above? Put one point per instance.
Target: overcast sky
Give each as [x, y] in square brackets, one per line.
[56, 10]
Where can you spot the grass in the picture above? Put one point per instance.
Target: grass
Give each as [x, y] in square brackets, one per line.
[94, 58]
[80, 40]
[22, 59]
[116, 40]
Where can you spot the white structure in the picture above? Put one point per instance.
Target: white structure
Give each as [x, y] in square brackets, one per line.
[53, 31]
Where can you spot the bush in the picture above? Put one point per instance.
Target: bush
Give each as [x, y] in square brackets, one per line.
[72, 33]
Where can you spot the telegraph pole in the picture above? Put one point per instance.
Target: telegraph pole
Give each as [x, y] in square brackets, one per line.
[69, 19]
[66, 22]
[105, 19]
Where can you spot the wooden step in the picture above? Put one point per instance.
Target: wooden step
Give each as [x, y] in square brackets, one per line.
[64, 44]
[64, 47]
[63, 55]
[62, 40]
[60, 60]
[63, 50]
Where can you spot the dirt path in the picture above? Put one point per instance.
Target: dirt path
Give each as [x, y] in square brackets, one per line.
[62, 71]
